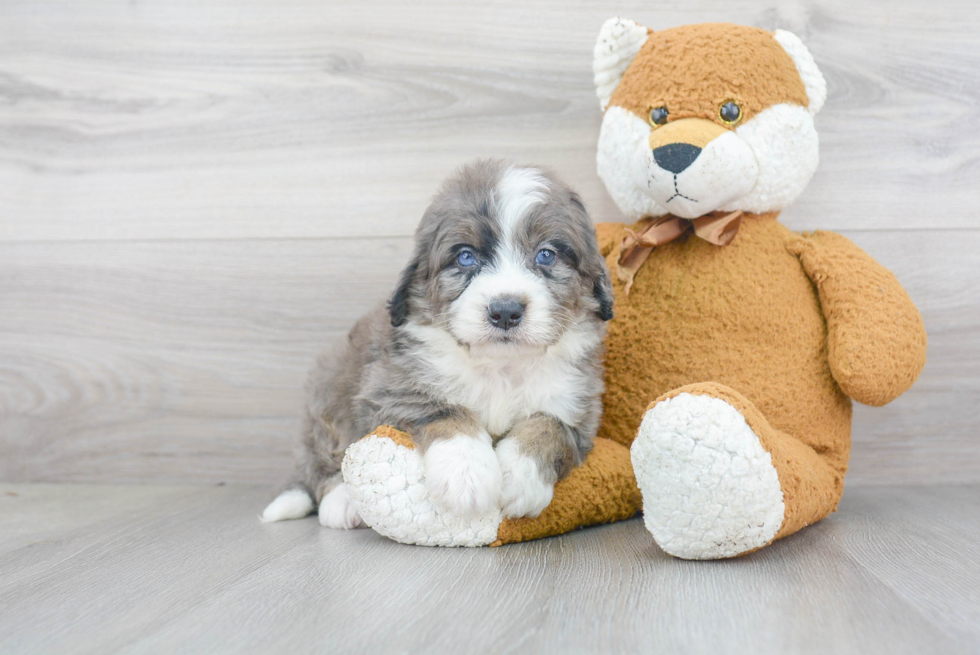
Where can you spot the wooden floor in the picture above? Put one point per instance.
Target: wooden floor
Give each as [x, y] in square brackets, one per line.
[183, 569]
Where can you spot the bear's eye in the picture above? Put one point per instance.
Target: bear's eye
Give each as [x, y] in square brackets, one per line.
[730, 112]
[658, 116]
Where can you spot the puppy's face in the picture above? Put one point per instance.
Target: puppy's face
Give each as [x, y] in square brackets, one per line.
[504, 255]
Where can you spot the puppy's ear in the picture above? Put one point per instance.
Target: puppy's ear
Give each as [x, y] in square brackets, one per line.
[602, 290]
[595, 264]
[398, 303]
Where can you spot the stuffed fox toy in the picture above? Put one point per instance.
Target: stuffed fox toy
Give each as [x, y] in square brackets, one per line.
[737, 346]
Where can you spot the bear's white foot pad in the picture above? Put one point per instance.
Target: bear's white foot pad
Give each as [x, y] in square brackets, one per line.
[709, 488]
[386, 484]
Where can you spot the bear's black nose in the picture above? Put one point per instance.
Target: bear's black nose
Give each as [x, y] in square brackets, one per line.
[505, 313]
[675, 157]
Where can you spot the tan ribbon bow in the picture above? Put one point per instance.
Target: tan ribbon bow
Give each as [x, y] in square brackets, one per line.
[718, 228]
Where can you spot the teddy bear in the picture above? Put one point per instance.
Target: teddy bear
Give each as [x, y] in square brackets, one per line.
[738, 345]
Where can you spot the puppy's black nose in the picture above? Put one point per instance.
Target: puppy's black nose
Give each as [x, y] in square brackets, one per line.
[675, 157]
[506, 313]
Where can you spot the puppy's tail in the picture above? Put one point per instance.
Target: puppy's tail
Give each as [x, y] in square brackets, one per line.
[295, 502]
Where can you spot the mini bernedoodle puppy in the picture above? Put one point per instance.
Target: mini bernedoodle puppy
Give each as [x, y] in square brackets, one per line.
[488, 353]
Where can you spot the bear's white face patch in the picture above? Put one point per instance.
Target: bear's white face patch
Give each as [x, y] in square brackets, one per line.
[722, 172]
[761, 166]
[784, 142]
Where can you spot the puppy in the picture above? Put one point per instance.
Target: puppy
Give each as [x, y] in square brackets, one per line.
[492, 337]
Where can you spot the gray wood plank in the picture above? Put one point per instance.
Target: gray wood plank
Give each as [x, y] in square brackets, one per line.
[929, 435]
[895, 571]
[184, 361]
[170, 361]
[93, 589]
[904, 537]
[37, 514]
[164, 119]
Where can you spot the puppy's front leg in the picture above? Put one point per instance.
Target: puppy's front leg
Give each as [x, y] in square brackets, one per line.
[462, 473]
[536, 453]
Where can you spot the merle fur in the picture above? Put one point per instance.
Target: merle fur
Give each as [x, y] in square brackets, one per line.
[371, 379]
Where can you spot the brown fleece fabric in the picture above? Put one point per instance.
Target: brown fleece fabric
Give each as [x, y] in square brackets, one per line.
[396, 435]
[609, 236]
[876, 339]
[811, 487]
[694, 69]
[694, 131]
[744, 315]
[746, 323]
[602, 490]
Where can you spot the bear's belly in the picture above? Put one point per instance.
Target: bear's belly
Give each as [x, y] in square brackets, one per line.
[744, 315]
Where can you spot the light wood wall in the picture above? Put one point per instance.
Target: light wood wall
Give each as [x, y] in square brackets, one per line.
[195, 196]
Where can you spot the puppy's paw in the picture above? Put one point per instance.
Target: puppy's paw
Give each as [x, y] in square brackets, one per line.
[525, 491]
[290, 504]
[337, 511]
[462, 475]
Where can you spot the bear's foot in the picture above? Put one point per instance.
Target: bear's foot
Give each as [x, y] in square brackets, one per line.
[710, 489]
[385, 477]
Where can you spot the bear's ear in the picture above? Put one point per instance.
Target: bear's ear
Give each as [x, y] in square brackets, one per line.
[816, 85]
[619, 41]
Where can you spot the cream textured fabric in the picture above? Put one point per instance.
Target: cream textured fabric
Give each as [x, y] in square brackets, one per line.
[813, 80]
[709, 487]
[386, 483]
[619, 41]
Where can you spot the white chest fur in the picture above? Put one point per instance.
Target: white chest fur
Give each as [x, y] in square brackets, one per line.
[502, 384]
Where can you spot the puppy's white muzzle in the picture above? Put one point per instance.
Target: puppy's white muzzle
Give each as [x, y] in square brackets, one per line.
[471, 317]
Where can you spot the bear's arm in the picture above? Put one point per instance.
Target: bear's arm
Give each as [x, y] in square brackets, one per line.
[876, 339]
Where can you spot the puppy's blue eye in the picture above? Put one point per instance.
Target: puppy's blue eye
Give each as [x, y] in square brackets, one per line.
[466, 258]
[545, 257]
